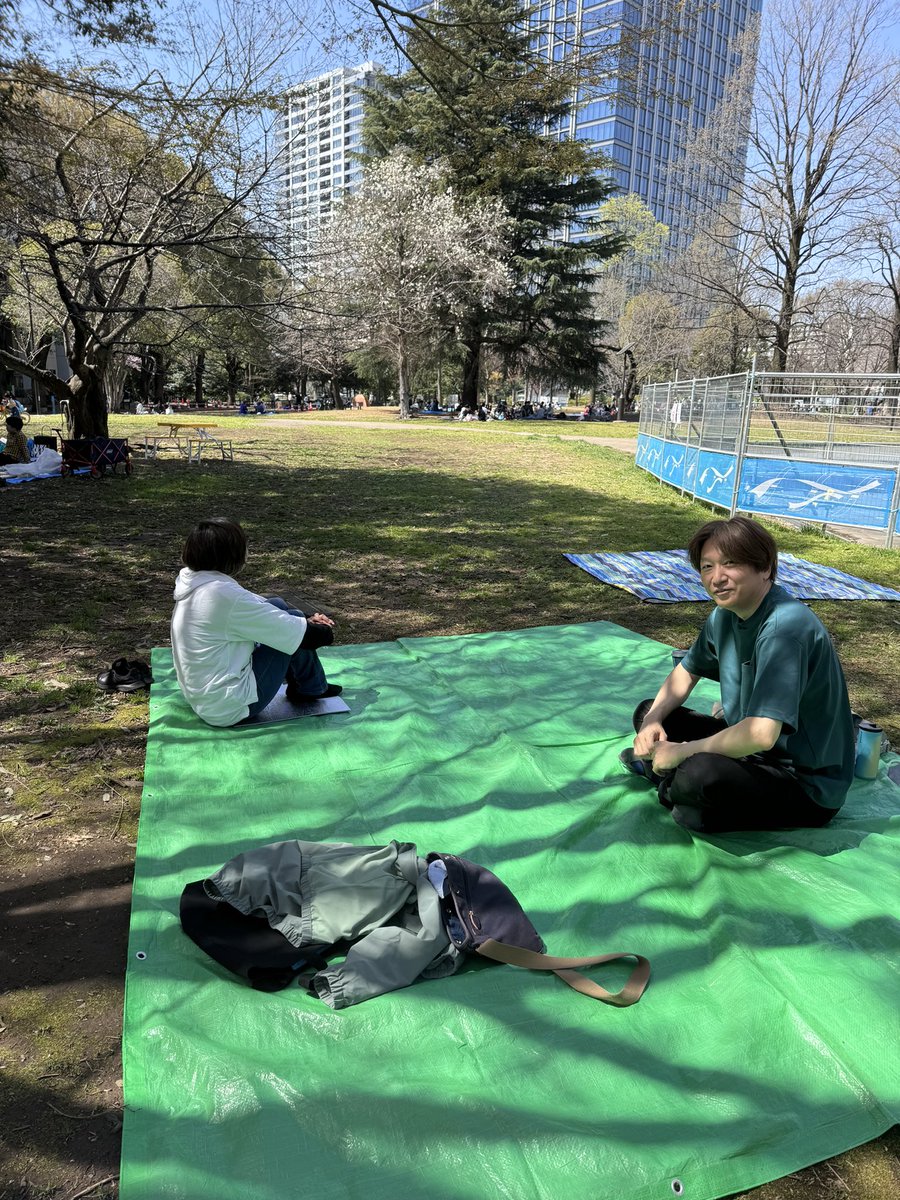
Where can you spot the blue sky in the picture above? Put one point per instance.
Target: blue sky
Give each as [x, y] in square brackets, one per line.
[316, 37]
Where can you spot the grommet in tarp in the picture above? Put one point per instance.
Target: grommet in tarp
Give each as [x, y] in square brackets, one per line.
[141, 955]
[677, 1187]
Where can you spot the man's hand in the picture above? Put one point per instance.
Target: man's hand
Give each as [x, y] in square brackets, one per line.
[669, 755]
[320, 619]
[650, 735]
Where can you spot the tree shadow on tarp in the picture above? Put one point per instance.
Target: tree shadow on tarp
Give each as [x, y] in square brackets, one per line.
[356, 1140]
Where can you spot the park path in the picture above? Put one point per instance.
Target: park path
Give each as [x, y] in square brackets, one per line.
[627, 445]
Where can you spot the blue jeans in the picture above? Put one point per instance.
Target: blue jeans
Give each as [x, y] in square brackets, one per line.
[271, 668]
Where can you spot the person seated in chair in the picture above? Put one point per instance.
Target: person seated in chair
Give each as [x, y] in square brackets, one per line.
[233, 649]
[16, 448]
[782, 753]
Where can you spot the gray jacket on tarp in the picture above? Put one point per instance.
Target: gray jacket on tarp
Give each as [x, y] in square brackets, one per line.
[319, 893]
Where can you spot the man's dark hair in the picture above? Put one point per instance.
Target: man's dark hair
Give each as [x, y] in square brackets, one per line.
[216, 545]
[739, 539]
[14, 421]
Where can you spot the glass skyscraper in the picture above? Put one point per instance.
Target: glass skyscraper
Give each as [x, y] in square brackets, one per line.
[321, 128]
[666, 66]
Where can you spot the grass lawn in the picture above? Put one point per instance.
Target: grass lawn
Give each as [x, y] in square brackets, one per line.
[398, 530]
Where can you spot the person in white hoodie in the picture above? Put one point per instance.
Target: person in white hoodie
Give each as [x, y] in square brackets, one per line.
[233, 649]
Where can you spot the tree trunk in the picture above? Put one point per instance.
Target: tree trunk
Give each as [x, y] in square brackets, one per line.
[114, 381]
[144, 386]
[736, 356]
[893, 364]
[87, 405]
[403, 382]
[468, 396]
[629, 383]
[199, 371]
[159, 380]
[233, 376]
[335, 392]
[785, 320]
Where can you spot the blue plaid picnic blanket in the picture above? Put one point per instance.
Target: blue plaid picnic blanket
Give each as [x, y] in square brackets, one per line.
[667, 577]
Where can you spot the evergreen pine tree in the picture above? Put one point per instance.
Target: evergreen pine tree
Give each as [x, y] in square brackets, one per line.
[483, 104]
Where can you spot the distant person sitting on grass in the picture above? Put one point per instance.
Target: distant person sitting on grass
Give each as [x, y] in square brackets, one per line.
[233, 649]
[16, 448]
[782, 754]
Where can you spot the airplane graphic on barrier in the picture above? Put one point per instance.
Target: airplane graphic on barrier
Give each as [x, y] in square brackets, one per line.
[822, 493]
[829, 495]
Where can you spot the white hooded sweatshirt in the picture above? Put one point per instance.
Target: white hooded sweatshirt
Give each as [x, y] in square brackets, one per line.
[216, 625]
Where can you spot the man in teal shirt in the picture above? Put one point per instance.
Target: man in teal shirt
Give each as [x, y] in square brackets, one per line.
[782, 753]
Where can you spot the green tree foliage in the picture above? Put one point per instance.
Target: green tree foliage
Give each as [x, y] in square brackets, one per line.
[653, 340]
[100, 21]
[480, 103]
[645, 237]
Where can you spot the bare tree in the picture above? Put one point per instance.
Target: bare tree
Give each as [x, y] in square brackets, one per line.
[727, 341]
[843, 329]
[111, 188]
[653, 340]
[821, 94]
[881, 234]
[621, 279]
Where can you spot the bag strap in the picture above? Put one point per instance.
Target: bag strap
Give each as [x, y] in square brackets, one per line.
[515, 956]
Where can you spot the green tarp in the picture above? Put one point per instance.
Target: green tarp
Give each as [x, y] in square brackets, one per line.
[766, 1040]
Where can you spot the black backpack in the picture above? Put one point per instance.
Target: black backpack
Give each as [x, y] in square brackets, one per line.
[246, 945]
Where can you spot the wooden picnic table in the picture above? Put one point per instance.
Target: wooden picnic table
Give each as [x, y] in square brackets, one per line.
[195, 437]
[174, 426]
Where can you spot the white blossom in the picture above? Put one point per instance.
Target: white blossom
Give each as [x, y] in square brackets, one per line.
[407, 259]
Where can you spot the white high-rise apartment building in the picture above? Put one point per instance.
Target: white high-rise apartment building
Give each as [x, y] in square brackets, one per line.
[322, 127]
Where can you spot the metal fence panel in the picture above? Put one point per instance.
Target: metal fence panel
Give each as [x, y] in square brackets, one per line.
[824, 447]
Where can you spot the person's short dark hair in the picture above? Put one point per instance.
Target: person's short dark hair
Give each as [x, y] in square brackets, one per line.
[216, 545]
[740, 539]
[14, 421]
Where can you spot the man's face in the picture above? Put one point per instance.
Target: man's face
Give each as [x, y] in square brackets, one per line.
[736, 586]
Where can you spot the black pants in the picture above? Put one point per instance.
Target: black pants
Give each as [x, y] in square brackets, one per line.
[714, 793]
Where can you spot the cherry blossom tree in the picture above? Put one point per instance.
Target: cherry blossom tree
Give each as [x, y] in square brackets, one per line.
[404, 259]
